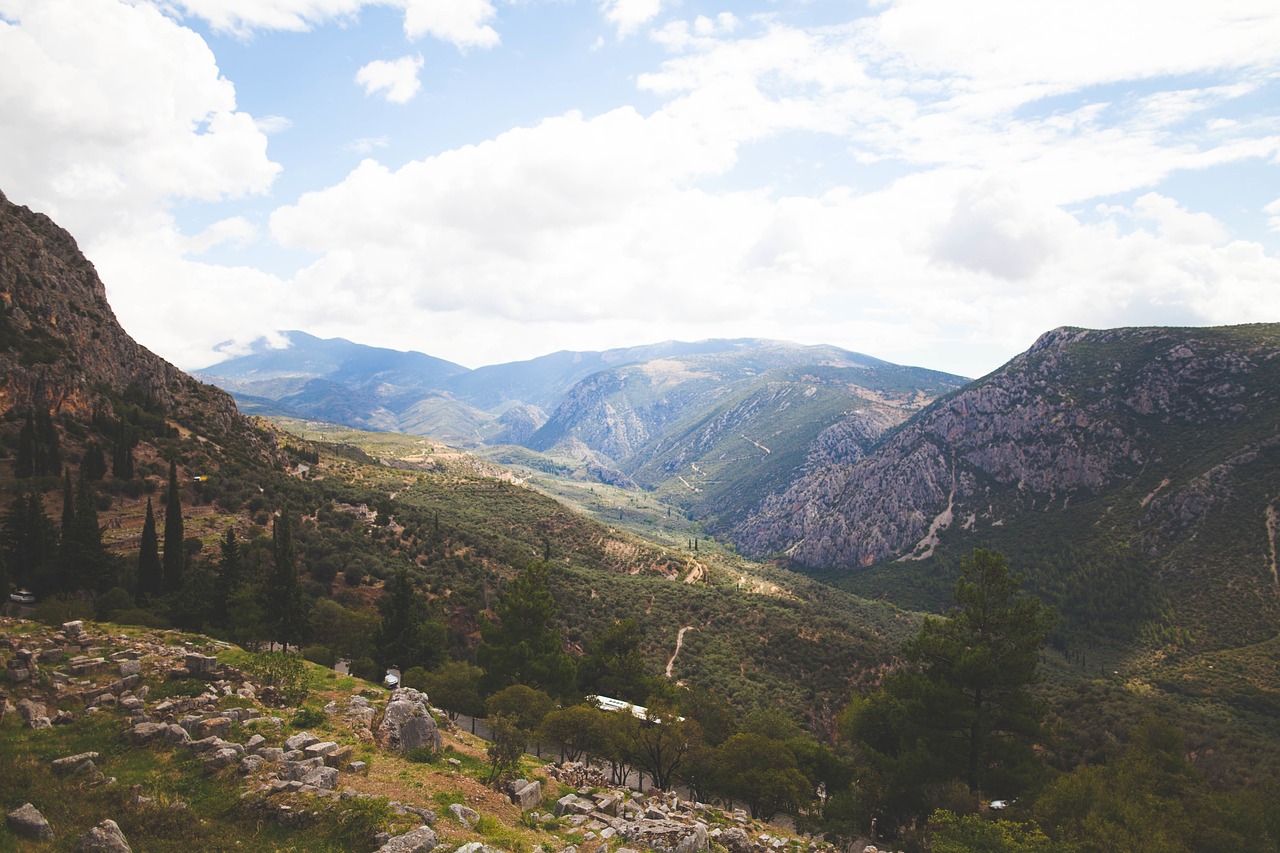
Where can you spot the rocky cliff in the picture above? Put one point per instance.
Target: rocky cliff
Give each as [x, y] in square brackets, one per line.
[62, 351]
[1155, 440]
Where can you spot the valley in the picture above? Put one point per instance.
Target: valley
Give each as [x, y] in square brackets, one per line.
[766, 542]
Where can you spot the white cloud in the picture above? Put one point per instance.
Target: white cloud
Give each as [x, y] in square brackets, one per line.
[628, 16]
[235, 229]
[397, 79]
[111, 110]
[464, 23]
[271, 125]
[367, 144]
[1273, 218]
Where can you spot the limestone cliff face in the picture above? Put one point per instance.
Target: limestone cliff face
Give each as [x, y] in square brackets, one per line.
[62, 350]
[1079, 415]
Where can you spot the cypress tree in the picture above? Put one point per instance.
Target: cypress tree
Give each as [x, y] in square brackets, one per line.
[174, 555]
[93, 569]
[94, 466]
[229, 576]
[150, 572]
[122, 453]
[282, 590]
[68, 505]
[25, 462]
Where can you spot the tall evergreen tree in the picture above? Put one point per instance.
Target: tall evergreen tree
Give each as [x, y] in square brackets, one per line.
[150, 571]
[174, 553]
[524, 646]
[48, 452]
[407, 637]
[122, 452]
[94, 566]
[230, 576]
[24, 464]
[963, 710]
[68, 503]
[94, 465]
[282, 590]
[30, 539]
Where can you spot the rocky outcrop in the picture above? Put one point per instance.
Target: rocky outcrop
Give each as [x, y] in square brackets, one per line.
[62, 351]
[407, 722]
[1077, 415]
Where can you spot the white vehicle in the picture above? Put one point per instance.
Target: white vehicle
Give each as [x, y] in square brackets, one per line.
[23, 596]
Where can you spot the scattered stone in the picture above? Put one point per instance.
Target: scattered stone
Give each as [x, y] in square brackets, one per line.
[74, 630]
[420, 840]
[320, 749]
[27, 822]
[735, 840]
[201, 665]
[254, 743]
[130, 667]
[72, 764]
[215, 727]
[340, 757]
[528, 796]
[106, 837]
[464, 815]
[33, 714]
[325, 778]
[358, 767]
[301, 740]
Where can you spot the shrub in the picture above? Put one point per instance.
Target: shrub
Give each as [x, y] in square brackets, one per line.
[422, 755]
[307, 718]
[283, 673]
[322, 655]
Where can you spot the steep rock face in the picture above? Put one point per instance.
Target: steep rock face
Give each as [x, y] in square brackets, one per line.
[61, 348]
[1078, 415]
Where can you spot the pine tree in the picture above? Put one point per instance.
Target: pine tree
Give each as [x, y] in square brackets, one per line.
[174, 555]
[524, 646]
[150, 572]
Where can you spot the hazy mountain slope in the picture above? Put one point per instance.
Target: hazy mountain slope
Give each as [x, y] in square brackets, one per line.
[1155, 449]
[764, 435]
[543, 381]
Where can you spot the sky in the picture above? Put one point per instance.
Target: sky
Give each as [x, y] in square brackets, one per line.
[929, 182]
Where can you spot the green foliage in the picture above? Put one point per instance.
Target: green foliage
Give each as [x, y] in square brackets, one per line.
[283, 673]
[422, 755]
[63, 607]
[1150, 799]
[307, 718]
[505, 749]
[322, 655]
[174, 557]
[455, 686]
[524, 646]
[760, 772]
[952, 833]
[613, 665]
[963, 710]
[150, 570]
[353, 823]
[522, 705]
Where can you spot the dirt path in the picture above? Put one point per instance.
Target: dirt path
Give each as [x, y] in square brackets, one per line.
[679, 642]
[1273, 529]
[766, 450]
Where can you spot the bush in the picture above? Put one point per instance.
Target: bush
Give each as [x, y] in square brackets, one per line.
[422, 755]
[112, 601]
[322, 655]
[307, 718]
[63, 607]
[283, 673]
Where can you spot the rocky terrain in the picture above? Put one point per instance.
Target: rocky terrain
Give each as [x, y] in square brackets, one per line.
[172, 704]
[62, 352]
[1156, 440]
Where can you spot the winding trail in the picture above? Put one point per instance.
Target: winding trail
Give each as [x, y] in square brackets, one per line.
[679, 642]
[1273, 529]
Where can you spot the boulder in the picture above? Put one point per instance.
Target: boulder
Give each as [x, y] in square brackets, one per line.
[735, 840]
[420, 840]
[325, 778]
[27, 822]
[33, 714]
[669, 836]
[407, 723]
[466, 816]
[529, 796]
[75, 764]
[106, 837]
[301, 740]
